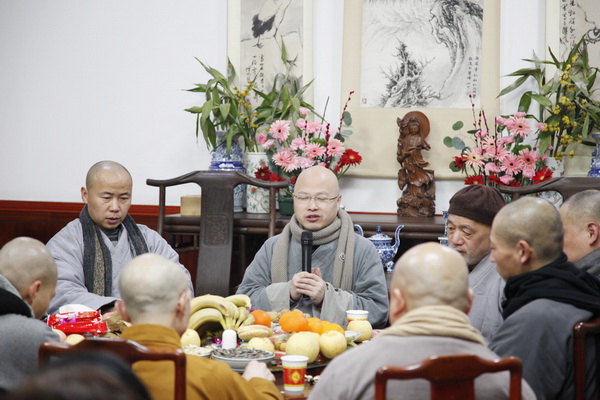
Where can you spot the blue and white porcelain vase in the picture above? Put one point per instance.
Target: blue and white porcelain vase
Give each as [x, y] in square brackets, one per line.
[595, 164]
[257, 199]
[234, 161]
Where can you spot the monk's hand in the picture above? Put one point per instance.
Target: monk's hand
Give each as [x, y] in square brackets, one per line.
[312, 285]
[296, 279]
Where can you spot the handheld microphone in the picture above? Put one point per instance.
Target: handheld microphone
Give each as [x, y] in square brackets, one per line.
[307, 243]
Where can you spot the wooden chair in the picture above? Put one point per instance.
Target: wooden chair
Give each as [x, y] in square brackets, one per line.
[581, 330]
[566, 186]
[128, 350]
[216, 222]
[451, 377]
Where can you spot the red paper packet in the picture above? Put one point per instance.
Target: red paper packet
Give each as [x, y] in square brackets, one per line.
[78, 322]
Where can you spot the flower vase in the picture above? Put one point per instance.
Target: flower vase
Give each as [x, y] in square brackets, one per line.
[286, 205]
[595, 164]
[234, 161]
[257, 199]
[556, 166]
[558, 169]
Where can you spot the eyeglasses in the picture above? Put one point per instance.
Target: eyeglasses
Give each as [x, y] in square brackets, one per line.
[320, 200]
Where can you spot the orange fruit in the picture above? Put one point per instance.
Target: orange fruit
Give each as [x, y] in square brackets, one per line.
[261, 318]
[315, 325]
[330, 326]
[293, 321]
[285, 317]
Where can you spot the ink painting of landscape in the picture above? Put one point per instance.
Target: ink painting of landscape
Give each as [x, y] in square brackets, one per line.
[421, 53]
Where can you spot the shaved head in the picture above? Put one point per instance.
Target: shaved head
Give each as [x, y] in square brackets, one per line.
[318, 176]
[151, 286]
[104, 166]
[312, 183]
[432, 274]
[28, 265]
[533, 220]
[580, 216]
[24, 260]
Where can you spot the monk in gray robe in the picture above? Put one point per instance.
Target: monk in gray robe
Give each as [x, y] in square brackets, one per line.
[91, 251]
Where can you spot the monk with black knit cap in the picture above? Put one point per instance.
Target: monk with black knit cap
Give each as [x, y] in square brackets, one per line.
[91, 251]
[470, 216]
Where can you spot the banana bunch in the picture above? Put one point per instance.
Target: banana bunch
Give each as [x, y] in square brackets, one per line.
[214, 313]
[248, 332]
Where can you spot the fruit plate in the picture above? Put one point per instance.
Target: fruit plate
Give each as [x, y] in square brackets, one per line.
[238, 364]
[275, 365]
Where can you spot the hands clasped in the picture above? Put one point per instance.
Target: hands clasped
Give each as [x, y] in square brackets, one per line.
[308, 284]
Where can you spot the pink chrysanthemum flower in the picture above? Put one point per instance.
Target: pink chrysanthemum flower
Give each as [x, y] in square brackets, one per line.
[261, 138]
[313, 127]
[303, 111]
[305, 162]
[492, 167]
[529, 158]
[334, 147]
[488, 143]
[268, 144]
[501, 151]
[501, 121]
[280, 130]
[519, 126]
[506, 179]
[481, 133]
[474, 158]
[286, 159]
[507, 139]
[528, 171]
[298, 144]
[541, 126]
[511, 164]
[301, 123]
[520, 114]
[314, 150]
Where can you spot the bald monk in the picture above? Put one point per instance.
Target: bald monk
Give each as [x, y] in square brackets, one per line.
[91, 251]
[545, 297]
[346, 272]
[156, 300]
[429, 302]
[580, 216]
[27, 282]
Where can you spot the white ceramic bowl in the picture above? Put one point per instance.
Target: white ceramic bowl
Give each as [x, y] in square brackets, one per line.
[197, 350]
[240, 363]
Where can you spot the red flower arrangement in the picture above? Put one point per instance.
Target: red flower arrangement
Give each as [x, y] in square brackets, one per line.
[502, 156]
[294, 147]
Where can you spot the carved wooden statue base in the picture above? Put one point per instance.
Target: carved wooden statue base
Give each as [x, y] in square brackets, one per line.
[416, 182]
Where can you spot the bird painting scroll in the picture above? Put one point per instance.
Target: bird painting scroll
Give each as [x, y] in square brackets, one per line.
[414, 179]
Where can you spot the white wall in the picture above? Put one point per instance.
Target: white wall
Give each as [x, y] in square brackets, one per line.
[82, 81]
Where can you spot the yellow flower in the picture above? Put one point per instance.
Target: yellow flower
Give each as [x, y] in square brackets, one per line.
[556, 109]
[571, 153]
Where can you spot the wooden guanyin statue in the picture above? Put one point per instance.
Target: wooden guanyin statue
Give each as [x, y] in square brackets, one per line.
[416, 182]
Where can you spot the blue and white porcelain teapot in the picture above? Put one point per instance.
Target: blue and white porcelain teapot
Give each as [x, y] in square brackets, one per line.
[383, 244]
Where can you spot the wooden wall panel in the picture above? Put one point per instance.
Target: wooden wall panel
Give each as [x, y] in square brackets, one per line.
[41, 220]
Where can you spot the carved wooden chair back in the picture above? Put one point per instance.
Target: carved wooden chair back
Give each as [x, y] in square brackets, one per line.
[451, 377]
[128, 350]
[581, 331]
[566, 186]
[216, 222]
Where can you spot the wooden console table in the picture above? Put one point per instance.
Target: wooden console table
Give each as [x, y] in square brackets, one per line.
[418, 228]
